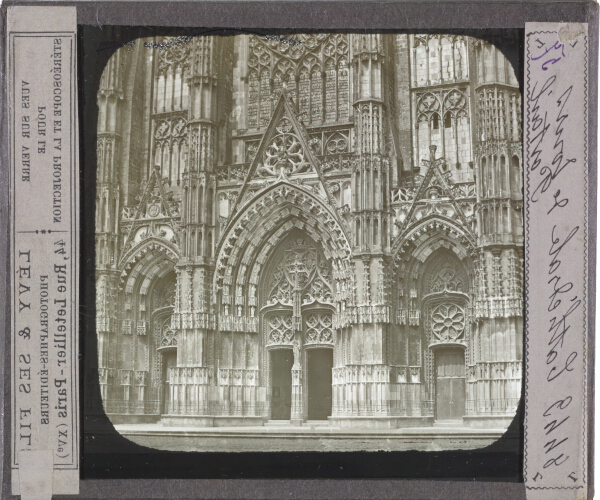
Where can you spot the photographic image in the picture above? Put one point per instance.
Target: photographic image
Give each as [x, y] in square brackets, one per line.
[314, 238]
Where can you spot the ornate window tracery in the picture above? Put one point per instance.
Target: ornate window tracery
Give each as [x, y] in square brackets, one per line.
[442, 120]
[319, 328]
[447, 279]
[168, 338]
[285, 151]
[281, 329]
[315, 69]
[448, 321]
[301, 268]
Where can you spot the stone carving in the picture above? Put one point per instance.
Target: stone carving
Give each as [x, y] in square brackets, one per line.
[448, 321]
[297, 354]
[448, 278]
[284, 152]
[318, 329]
[280, 329]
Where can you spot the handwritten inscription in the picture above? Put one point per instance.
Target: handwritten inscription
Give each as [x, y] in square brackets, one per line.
[556, 230]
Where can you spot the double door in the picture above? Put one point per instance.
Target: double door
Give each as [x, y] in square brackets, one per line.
[317, 383]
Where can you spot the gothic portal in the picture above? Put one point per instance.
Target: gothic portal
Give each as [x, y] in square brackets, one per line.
[319, 227]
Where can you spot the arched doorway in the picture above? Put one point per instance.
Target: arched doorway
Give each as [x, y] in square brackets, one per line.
[297, 325]
[445, 306]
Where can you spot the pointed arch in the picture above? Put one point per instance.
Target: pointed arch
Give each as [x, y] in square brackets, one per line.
[252, 234]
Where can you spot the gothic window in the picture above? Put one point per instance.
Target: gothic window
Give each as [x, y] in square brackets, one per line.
[182, 158]
[445, 275]
[316, 97]
[484, 177]
[169, 90]
[515, 175]
[343, 95]
[330, 91]
[223, 205]
[316, 72]
[168, 337]
[277, 83]
[304, 94]
[175, 163]
[253, 90]
[171, 95]
[209, 204]
[265, 94]
[160, 94]
[165, 160]
[177, 89]
[284, 151]
[460, 58]
[447, 120]
[172, 63]
[346, 196]
[503, 181]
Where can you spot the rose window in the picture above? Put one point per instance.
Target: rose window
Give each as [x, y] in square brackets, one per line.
[285, 151]
[448, 322]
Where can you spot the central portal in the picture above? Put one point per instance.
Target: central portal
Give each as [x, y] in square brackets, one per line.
[319, 363]
[297, 327]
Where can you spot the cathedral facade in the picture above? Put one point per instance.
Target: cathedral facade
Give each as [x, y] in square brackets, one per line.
[310, 227]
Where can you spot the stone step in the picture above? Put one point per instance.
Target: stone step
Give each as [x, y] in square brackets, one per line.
[317, 423]
[277, 422]
[448, 423]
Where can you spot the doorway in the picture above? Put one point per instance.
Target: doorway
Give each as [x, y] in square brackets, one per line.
[281, 383]
[450, 384]
[169, 361]
[319, 363]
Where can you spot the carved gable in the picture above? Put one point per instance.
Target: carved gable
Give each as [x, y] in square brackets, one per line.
[284, 154]
[154, 215]
[436, 195]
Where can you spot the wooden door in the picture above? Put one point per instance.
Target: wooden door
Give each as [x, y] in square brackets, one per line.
[319, 364]
[281, 383]
[450, 384]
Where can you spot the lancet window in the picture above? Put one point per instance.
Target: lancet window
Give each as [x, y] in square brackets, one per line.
[314, 70]
[170, 103]
[442, 119]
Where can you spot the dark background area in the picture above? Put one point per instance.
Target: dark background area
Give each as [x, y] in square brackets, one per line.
[107, 455]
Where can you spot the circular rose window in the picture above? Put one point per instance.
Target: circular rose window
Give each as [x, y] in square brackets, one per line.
[448, 321]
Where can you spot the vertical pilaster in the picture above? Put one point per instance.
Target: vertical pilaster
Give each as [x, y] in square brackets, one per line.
[367, 390]
[209, 87]
[110, 108]
[495, 374]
